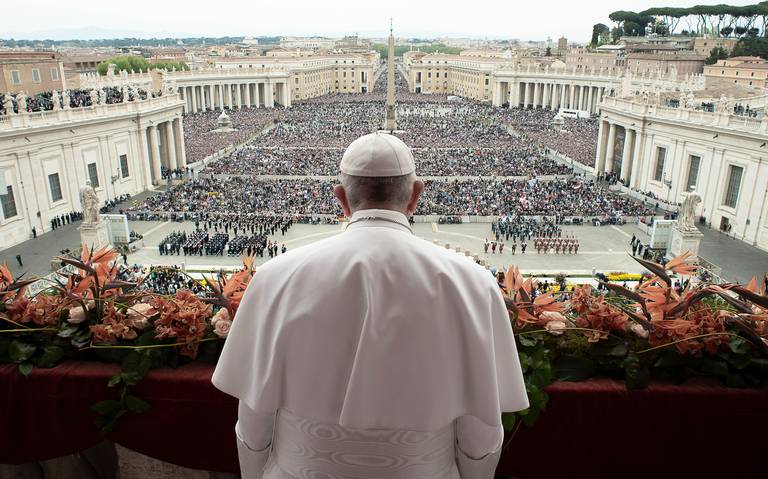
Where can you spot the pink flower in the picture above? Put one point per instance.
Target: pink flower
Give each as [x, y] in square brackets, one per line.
[76, 315]
[221, 328]
[139, 314]
[222, 314]
[555, 327]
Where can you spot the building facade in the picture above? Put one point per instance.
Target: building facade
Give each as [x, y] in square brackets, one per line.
[747, 71]
[238, 82]
[670, 151]
[666, 63]
[46, 157]
[703, 46]
[583, 59]
[31, 72]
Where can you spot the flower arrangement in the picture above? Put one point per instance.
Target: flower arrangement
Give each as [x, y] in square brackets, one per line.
[652, 331]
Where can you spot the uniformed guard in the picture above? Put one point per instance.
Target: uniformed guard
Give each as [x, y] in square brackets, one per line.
[348, 377]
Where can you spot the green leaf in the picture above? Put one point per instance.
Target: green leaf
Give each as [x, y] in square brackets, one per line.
[115, 380]
[527, 340]
[715, 367]
[740, 346]
[574, 368]
[20, 351]
[106, 407]
[531, 417]
[25, 368]
[636, 373]
[68, 330]
[508, 420]
[51, 355]
[136, 404]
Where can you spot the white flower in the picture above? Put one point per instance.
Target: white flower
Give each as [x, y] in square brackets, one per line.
[639, 330]
[76, 315]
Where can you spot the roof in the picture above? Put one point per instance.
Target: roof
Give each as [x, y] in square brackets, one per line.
[666, 57]
[746, 59]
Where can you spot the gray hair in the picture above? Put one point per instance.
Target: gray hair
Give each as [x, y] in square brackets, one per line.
[369, 192]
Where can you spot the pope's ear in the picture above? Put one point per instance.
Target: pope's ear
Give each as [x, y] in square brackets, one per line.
[418, 189]
[341, 194]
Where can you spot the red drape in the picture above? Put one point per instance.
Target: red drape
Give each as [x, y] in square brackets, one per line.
[595, 428]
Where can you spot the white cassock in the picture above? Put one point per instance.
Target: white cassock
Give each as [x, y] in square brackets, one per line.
[371, 354]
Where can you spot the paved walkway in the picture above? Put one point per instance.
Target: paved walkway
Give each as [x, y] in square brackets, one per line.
[740, 261]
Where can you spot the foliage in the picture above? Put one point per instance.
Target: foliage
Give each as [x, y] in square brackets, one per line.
[136, 63]
[717, 53]
[752, 47]
[401, 49]
[598, 31]
[700, 19]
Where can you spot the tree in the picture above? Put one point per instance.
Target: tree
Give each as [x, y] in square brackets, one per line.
[598, 31]
[727, 31]
[717, 53]
[135, 63]
[751, 47]
[616, 34]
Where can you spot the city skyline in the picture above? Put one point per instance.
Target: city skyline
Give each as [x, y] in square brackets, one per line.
[496, 21]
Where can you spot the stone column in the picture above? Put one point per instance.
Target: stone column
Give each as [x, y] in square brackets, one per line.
[637, 161]
[527, 100]
[545, 96]
[146, 163]
[288, 93]
[212, 96]
[497, 94]
[563, 88]
[554, 97]
[155, 152]
[590, 100]
[269, 95]
[194, 100]
[228, 87]
[256, 95]
[611, 148]
[239, 95]
[178, 134]
[626, 156]
[572, 97]
[170, 141]
[602, 139]
[536, 90]
[248, 95]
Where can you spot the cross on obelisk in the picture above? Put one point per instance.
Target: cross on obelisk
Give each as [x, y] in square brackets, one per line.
[390, 122]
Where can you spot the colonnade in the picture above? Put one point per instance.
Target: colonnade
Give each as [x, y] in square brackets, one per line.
[620, 157]
[554, 95]
[231, 95]
[163, 145]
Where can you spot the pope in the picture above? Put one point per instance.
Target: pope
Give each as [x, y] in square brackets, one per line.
[372, 353]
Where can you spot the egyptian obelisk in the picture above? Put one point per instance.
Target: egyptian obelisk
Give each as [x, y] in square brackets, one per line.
[390, 123]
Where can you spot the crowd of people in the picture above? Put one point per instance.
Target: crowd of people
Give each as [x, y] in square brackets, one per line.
[222, 196]
[71, 98]
[201, 141]
[307, 161]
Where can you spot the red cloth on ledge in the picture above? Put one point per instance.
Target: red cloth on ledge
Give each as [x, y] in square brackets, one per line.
[595, 428]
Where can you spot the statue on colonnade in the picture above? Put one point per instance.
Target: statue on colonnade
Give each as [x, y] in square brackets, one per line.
[89, 201]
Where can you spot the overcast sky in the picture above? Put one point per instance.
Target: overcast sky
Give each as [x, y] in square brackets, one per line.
[523, 19]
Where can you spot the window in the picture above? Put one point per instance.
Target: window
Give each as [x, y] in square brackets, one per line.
[9, 203]
[36, 75]
[15, 77]
[124, 166]
[93, 175]
[734, 184]
[55, 186]
[54, 74]
[661, 154]
[693, 172]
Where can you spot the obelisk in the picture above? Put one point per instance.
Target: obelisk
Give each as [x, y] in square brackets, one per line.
[390, 122]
